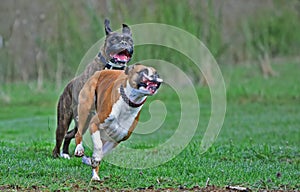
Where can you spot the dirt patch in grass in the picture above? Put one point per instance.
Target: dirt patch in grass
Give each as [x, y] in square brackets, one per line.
[148, 189]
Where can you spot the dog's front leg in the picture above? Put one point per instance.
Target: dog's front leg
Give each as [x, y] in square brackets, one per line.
[79, 150]
[97, 152]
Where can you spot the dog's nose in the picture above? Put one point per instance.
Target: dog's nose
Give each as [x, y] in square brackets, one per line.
[124, 42]
[157, 79]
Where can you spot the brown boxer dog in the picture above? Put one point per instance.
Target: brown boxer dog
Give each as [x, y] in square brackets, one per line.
[119, 97]
[115, 54]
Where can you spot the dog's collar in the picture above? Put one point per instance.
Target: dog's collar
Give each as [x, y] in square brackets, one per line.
[128, 101]
[109, 64]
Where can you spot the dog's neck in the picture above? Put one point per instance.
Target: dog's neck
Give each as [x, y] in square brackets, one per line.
[135, 97]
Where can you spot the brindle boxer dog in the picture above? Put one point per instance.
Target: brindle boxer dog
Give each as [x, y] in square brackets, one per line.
[120, 96]
[115, 54]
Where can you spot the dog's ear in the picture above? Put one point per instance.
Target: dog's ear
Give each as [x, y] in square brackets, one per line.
[126, 29]
[129, 68]
[107, 27]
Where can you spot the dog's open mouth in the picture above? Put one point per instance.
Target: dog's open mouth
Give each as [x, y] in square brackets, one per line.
[123, 56]
[152, 87]
[149, 85]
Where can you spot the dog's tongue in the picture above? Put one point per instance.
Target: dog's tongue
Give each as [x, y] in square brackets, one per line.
[152, 87]
[122, 57]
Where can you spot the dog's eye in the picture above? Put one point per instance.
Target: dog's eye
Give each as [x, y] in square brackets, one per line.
[142, 72]
[114, 40]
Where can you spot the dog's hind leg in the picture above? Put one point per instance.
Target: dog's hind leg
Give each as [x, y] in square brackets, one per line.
[64, 118]
[69, 136]
[86, 102]
[62, 128]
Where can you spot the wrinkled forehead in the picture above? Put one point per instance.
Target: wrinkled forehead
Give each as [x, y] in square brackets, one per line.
[147, 70]
[118, 35]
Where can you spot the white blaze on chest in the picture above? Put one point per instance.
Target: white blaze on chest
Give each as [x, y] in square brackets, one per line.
[119, 121]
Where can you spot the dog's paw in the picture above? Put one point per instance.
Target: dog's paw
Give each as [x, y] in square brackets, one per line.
[86, 160]
[65, 156]
[95, 176]
[79, 151]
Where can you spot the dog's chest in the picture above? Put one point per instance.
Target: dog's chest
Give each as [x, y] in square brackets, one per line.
[116, 126]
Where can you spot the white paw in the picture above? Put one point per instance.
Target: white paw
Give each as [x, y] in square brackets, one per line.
[79, 151]
[86, 160]
[95, 176]
[65, 156]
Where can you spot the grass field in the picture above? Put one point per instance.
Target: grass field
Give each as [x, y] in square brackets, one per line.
[258, 146]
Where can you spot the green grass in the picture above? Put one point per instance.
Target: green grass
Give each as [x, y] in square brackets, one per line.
[258, 146]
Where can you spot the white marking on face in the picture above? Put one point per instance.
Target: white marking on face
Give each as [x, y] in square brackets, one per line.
[97, 152]
[150, 73]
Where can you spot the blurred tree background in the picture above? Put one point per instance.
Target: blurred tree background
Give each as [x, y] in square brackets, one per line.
[44, 40]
